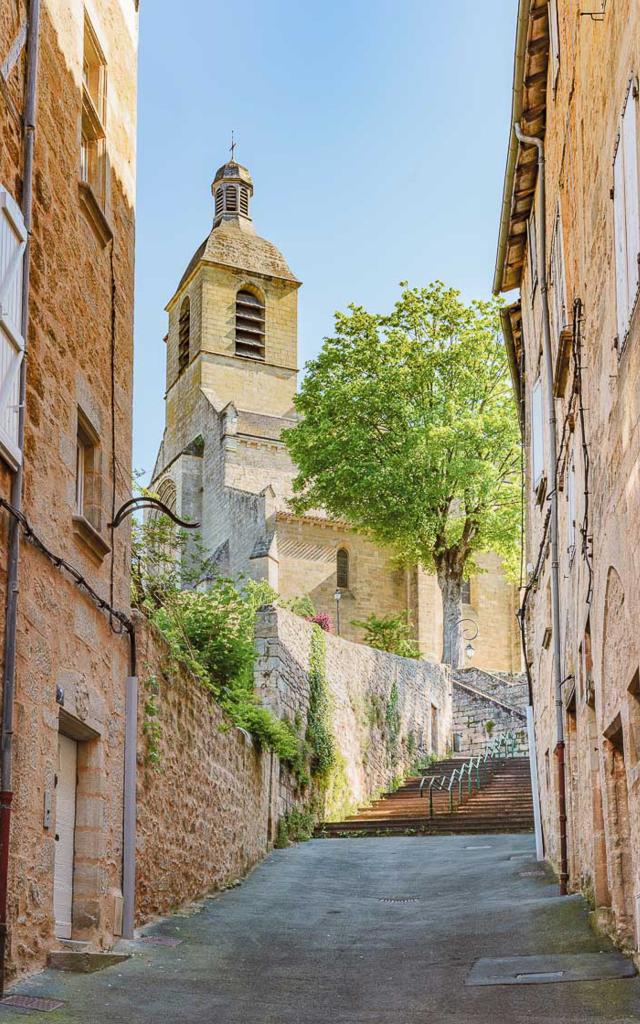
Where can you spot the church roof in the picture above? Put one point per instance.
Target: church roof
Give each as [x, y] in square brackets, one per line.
[227, 245]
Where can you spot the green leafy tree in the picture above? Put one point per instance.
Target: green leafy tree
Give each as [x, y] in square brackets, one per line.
[409, 431]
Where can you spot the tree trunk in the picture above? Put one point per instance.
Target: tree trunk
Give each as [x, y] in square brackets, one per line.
[450, 584]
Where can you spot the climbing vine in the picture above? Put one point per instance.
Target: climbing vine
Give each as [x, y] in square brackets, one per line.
[151, 727]
[319, 736]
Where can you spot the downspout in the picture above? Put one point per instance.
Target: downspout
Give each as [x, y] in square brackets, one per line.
[129, 795]
[531, 140]
[13, 555]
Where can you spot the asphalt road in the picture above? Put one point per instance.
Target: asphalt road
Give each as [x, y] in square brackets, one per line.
[364, 931]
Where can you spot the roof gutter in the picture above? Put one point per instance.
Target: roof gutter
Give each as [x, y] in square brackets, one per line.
[524, 8]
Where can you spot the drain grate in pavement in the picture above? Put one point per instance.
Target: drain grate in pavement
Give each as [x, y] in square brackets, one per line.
[478, 847]
[542, 970]
[31, 1003]
[399, 899]
[160, 940]
[534, 873]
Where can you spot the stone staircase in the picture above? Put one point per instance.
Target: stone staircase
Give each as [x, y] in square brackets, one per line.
[502, 804]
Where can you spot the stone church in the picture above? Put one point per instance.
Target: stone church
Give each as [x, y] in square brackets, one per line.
[232, 366]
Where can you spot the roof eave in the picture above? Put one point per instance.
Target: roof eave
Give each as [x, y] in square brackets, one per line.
[524, 9]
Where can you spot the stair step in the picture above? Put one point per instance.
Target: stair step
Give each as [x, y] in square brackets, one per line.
[502, 804]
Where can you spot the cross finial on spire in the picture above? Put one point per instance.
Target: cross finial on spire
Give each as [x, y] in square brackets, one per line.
[233, 145]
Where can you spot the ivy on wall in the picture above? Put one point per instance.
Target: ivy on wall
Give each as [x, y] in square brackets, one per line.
[319, 736]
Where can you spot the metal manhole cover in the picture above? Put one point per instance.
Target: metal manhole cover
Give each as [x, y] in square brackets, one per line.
[31, 1003]
[160, 940]
[543, 970]
[399, 899]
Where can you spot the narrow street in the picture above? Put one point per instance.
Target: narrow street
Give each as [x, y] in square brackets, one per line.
[358, 930]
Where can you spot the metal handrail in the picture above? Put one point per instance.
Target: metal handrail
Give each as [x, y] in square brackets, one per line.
[502, 747]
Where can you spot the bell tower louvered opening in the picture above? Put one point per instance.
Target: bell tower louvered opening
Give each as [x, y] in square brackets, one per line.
[184, 334]
[249, 325]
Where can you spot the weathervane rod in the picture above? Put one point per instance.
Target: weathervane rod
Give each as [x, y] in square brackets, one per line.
[233, 145]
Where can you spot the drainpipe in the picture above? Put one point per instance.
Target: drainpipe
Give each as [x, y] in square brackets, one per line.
[11, 612]
[129, 795]
[531, 140]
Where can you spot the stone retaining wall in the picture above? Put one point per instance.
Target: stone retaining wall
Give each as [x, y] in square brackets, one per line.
[361, 680]
[208, 811]
[481, 713]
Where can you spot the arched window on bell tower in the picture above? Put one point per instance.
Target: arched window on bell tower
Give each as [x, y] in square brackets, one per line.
[184, 334]
[249, 325]
[342, 569]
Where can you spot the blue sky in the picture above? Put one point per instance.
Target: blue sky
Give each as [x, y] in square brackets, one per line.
[376, 134]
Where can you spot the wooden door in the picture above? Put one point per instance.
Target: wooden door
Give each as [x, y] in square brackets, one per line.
[65, 834]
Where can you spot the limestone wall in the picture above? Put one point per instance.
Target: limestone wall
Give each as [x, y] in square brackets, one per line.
[360, 682]
[207, 813]
[479, 718]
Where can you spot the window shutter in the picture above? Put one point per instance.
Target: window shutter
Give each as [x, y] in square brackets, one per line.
[13, 239]
[629, 144]
[620, 242]
[571, 507]
[554, 38]
[537, 433]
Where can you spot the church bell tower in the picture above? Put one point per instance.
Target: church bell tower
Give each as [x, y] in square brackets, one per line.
[233, 318]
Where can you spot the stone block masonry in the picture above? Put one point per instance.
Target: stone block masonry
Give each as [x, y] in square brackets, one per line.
[386, 711]
[485, 707]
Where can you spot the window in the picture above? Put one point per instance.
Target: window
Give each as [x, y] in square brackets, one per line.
[93, 152]
[342, 569]
[537, 434]
[557, 278]
[249, 325]
[244, 201]
[13, 238]
[184, 332]
[532, 238]
[87, 503]
[626, 215]
[465, 592]
[554, 41]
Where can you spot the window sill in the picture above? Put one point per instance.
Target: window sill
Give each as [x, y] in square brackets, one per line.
[95, 213]
[83, 529]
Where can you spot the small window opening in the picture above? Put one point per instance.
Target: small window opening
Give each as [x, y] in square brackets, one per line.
[465, 592]
[342, 569]
[87, 498]
[249, 325]
[244, 201]
[231, 199]
[184, 332]
[219, 200]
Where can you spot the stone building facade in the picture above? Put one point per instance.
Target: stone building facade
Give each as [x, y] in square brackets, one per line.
[66, 840]
[232, 363]
[576, 88]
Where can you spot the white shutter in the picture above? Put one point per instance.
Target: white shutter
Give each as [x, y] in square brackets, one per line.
[571, 508]
[537, 433]
[620, 243]
[554, 39]
[13, 239]
[629, 144]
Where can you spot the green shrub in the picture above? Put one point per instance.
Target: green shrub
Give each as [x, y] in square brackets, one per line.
[391, 633]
